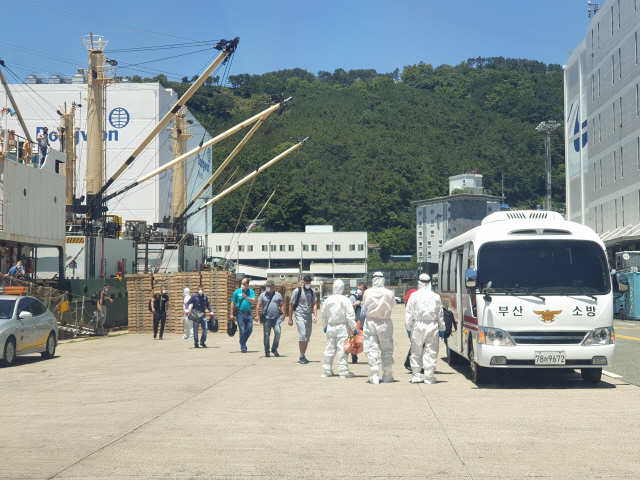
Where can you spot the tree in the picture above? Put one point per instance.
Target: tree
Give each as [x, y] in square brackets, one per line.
[194, 78]
[185, 80]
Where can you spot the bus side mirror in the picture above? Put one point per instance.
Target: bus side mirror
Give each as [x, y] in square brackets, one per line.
[470, 276]
[620, 283]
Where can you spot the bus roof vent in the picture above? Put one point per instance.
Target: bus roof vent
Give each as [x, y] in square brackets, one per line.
[540, 231]
[523, 215]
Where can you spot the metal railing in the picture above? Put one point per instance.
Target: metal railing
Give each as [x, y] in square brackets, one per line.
[18, 149]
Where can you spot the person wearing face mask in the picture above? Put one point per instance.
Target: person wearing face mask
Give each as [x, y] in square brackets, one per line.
[188, 325]
[377, 302]
[304, 304]
[243, 300]
[356, 302]
[425, 325]
[160, 308]
[270, 308]
[338, 318]
[199, 303]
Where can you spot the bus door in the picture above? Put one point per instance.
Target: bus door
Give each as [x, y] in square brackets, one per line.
[456, 336]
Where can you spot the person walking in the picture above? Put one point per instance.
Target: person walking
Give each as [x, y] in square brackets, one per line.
[356, 302]
[338, 318]
[242, 301]
[305, 305]
[271, 310]
[378, 302]
[407, 362]
[188, 324]
[199, 303]
[17, 271]
[423, 319]
[160, 309]
[101, 314]
[43, 143]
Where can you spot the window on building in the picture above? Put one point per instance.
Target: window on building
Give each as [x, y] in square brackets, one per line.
[596, 212]
[265, 248]
[612, 21]
[594, 176]
[637, 103]
[613, 70]
[241, 248]
[615, 167]
[638, 151]
[291, 248]
[600, 173]
[618, 14]
[601, 220]
[636, 50]
[428, 243]
[314, 248]
[614, 117]
[305, 248]
[592, 43]
[620, 103]
[621, 164]
[622, 201]
[598, 81]
[428, 253]
[615, 206]
[489, 208]
[454, 230]
[440, 242]
[227, 248]
[249, 248]
[419, 244]
[282, 248]
[598, 47]
[432, 222]
[274, 248]
[361, 247]
[218, 248]
[431, 212]
[432, 233]
[352, 248]
[619, 63]
[329, 248]
[337, 248]
[420, 224]
[593, 88]
[599, 128]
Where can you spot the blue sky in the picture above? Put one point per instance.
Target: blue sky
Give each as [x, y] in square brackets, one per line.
[320, 35]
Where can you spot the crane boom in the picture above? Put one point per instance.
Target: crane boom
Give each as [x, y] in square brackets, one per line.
[15, 107]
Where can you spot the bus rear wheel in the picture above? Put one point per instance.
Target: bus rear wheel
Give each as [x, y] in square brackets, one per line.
[452, 357]
[478, 374]
[591, 375]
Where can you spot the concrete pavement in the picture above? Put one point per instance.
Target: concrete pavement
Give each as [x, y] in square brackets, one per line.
[131, 407]
[627, 351]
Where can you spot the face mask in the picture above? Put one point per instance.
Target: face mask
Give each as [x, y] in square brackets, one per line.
[359, 292]
[164, 291]
[243, 287]
[307, 286]
[199, 292]
[268, 289]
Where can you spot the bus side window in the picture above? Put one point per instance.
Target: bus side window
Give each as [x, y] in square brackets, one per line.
[472, 257]
[453, 271]
[445, 272]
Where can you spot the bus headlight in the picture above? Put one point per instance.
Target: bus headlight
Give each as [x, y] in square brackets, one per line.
[495, 337]
[600, 336]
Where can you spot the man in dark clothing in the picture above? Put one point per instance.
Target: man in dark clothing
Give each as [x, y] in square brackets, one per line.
[356, 302]
[199, 303]
[160, 307]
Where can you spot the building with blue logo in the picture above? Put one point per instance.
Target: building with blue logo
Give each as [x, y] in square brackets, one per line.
[602, 126]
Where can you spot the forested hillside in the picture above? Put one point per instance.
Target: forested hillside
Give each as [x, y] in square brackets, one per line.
[380, 141]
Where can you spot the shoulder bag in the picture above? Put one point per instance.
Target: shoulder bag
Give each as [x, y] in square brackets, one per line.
[195, 316]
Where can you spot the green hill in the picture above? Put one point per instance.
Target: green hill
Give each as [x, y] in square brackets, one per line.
[380, 141]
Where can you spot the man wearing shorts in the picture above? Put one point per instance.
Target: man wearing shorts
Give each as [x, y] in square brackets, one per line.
[305, 304]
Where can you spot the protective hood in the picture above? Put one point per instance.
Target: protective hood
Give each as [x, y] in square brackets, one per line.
[338, 287]
[186, 291]
[424, 281]
[378, 279]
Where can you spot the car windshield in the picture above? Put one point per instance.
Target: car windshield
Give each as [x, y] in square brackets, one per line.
[6, 309]
[560, 267]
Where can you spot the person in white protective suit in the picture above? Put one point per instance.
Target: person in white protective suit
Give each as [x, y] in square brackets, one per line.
[425, 326]
[188, 325]
[338, 318]
[377, 303]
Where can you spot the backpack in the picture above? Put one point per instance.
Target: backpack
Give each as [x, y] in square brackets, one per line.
[295, 305]
[151, 302]
[95, 298]
[449, 322]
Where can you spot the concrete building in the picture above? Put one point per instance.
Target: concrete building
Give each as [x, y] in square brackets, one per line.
[443, 218]
[316, 253]
[602, 126]
[132, 110]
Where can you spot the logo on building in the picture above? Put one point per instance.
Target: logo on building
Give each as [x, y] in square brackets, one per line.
[119, 117]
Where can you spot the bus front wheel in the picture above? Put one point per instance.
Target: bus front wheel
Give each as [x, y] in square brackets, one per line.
[478, 373]
[591, 375]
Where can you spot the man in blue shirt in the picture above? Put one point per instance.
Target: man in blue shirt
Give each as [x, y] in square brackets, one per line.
[243, 299]
[199, 302]
[17, 271]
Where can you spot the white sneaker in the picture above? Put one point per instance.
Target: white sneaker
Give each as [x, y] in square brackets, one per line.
[387, 378]
[374, 380]
[430, 380]
[347, 375]
[416, 379]
[326, 374]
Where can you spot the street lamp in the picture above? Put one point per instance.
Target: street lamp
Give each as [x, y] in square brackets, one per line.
[547, 128]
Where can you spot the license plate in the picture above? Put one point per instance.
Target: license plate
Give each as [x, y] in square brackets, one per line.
[550, 358]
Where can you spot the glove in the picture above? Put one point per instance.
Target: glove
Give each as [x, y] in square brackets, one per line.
[211, 315]
[325, 329]
[187, 313]
[442, 334]
[356, 332]
[409, 334]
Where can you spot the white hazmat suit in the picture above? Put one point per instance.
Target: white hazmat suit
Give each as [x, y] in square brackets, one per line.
[338, 317]
[377, 303]
[423, 318]
[188, 325]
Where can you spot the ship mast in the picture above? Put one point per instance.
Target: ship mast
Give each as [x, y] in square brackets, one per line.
[99, 76]
[68, 146]
[180, 133]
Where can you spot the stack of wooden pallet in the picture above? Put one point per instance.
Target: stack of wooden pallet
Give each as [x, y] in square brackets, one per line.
[139, 292]
[219, 287]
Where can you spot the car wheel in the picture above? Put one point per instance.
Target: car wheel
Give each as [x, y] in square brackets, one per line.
[591, 375]
[9, 353]
[478, 373]
[51, 347]
[452, 357]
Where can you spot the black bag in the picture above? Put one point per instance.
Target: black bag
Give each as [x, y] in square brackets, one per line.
[263, 316]
[449, 322]
[95, 298]
[195, 316]
[295, 305]
[231, 329]
[213, 324]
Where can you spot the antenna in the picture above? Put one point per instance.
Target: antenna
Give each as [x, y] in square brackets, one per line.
[592, 8]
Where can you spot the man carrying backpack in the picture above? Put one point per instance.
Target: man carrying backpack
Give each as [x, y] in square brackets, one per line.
[100, 315]
[304, 304]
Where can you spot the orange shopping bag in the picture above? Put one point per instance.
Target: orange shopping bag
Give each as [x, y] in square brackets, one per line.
[354, 343]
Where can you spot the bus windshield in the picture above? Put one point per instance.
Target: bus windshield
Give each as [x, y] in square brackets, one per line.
[560, 267]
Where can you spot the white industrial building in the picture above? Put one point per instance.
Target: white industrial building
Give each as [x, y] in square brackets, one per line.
[132, 110]
[318, 251]
[602, 126]
[443, 218]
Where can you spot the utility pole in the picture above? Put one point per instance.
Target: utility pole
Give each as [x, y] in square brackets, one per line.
[180, 133]
[547, 128]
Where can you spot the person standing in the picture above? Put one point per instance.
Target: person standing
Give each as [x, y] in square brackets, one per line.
[199, 303]
[43, 143]
[271, 310]
[407, 362]
[188, 324]
[338, 318]
[423, 319]
[243, 300]
[101, 313]
[17, 271]
[305, 305]
[356, 302]
[160, 308]
[378, 302]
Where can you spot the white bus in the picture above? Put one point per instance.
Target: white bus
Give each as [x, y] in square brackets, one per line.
[528, 289]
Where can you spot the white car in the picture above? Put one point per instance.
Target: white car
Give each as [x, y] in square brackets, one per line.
[26, 326]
